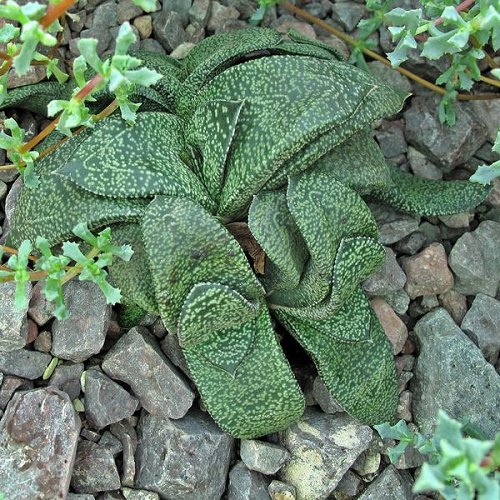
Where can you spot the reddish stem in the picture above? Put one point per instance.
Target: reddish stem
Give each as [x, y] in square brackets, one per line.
[13, 251]
[462, 6]
[55, 11]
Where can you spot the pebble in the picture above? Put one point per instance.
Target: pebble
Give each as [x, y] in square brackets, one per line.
[245, 484]
[391, 484]
[393, 224]
[348, 14]
[422, 167]
[126, 10]
[281, 491]
[322, 447]
[168, 30]
[10, 385]
[181, 7]
[455, 303]
[137, 360]
[398, 300]
[83, 333]
[131, 494]
[263, 457]
[94, 470]
[350, 485]
[446, 146]
[475, 260]
[488, 113]
[388, 279]
[182, 50]
[323, 397]
[404, 406]
[38, 436]
[24, 363]
[481, 324]
[13, 322]
[144, 25]
[391, 138]
[3, 190]
[199, 13]
[394, 328]
[451, 374]
[193, 444]
[43, 342]
[106, 402]
[219, 14]
[428, 272]
[67, 378]
[128, 438]
[388, 75]
[112, 443]
[152, 46]
[40, 309]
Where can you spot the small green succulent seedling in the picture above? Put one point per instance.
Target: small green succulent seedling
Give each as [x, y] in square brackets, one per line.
[459, 467]
[487, 173]
[255, 140]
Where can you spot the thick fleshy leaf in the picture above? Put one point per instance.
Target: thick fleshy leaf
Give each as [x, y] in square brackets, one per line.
[273, 227]
[359, 374]
[307, 92]
[187, 246]
[210, 307]
[139, 161]
[326, 212]
[133, 278]
[248, 395]
[430, 197]
[212, 130]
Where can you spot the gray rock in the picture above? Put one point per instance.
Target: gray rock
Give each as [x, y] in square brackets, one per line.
[3, 190]
[446, 146]
[323, 447]
[451, 374]
[10, 203]
[455, 303]
[394, 225]
[152, 46]
[40, 309]
[412, 243]
[263, 457]
[181, 51]
[422, 167]
[77, 496]
[281, 491]
[9, 386]
[106, 402]
[388, 75]
[475, 260]
[181, 7]
[245, 484]
[219, 15]
[193, 445]
[350, 485]
[481, 324]
[24, 363]
[144, 25]
[114, 35]
[168, 30]
[101, 33]
[131, 494]
[391, 484]
[398, 300]
[128, 438]
[170, 346]
[199, 12]
[111, 442]
[66, 377]
[137, 360]
[83, 333]
[106, 14]
[388, 279]
[348, 14]
[43, 342]
[13, 323]
[391, 139]
[323, 397]
[38, 437]
[127, 10]
[94, 470]
[487, 112]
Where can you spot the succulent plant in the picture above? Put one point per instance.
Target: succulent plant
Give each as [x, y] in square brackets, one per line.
[241, 189]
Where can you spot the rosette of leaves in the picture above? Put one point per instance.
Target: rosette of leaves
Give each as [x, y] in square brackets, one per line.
[263, 134]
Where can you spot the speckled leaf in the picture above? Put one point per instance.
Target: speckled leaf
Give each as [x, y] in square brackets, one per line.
[326, 212]
[187, 246]
[133, 278]
[430, 197]
[307, 92]
[273, 227]
[212, 130]
[359, 374]
[211, 307]
[139, 161]
[38, 211]
[262, 396]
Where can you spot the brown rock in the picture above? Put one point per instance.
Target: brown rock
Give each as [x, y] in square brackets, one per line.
[395, 329]
[144, 26]
[404, 406]
[455, 303]
[427, 272]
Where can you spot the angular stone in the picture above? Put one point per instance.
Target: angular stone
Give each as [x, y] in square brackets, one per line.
[446, 146]
[3, 190]
[137, 360]
[181, 51]
[245, 484]
[391, 139]
[184, 459]
[24, 363]
[388, 279]
[199, 12]
[323, 397]
[38, 437]
[398, 300]
[40, 309]
[394, 328]
[388, 75]
[144, 25]
[391, 484]
[10, 204]
[83, 333]
[457, 221]
[348, 14]
[421, 166]
[287, 23]
[181, 7]
[131, 494]
[152, 46]
[94, 470]
[475, 260]
[281, 491]
[323, 447]
[43, 342]
[488, 113]
[404, 406]
[393, 225]
[112, 443]
[67, 378]
[168, 30]
[350, 485]
[128, 438]
[106, 402]
[481, 324]
[451, 374]
[219, 15]
[427, 272]
[263, 457]
[127, 10]
[13, 322]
